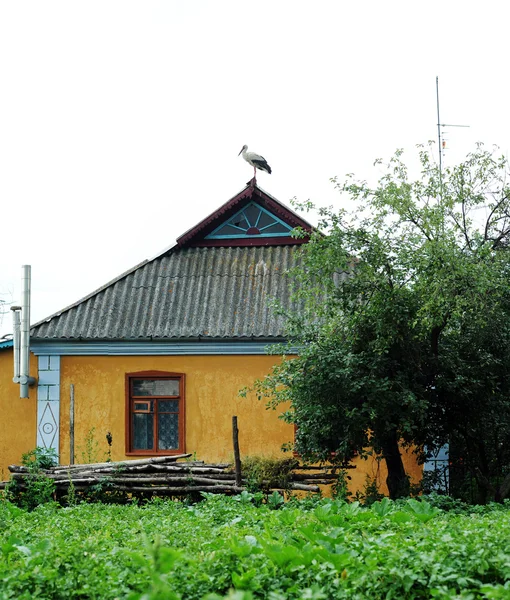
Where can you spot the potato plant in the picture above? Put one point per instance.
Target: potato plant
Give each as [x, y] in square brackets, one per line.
[231, 548]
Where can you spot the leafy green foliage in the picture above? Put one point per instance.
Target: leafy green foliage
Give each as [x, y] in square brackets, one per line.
[37, 488]
[39, 458]
[370, 493]
[92, 451]
[403, 323]
[221, 548]
[275, 500]
[263, 472]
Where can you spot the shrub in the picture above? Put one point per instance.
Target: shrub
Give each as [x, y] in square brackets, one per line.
[264, 473]
[37, 488]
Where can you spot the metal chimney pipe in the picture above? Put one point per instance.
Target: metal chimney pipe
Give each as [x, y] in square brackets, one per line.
[25, 379]
[16, 334]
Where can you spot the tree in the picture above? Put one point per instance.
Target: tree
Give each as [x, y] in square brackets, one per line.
[475, 377]
[404, 322]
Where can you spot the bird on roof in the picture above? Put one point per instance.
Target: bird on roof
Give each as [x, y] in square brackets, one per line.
[255, 160]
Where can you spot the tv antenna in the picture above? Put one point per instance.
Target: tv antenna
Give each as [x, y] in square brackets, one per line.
[442, 143]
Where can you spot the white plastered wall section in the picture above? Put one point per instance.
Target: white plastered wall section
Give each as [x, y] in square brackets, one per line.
[48, 402]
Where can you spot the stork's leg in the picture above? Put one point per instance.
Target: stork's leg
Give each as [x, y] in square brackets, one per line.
[254, 172]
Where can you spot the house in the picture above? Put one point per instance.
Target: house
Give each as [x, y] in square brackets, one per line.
[157, 356]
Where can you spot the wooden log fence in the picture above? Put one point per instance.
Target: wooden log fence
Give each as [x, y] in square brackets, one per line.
[164, 476]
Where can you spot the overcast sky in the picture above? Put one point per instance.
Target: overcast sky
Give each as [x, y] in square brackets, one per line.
[121, 121]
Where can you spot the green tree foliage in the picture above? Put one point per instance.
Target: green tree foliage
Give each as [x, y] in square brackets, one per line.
[403, 324]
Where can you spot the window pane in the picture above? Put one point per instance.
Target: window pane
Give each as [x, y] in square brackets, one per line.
[252, 213]
[155, 387]
[265, 220]
[143, 431]
[168, 406]
[228, 230]
[144, 406]
[240, 221]
[276, 228]
[168, 430]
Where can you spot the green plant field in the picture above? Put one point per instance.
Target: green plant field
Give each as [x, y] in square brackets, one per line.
[229, 547]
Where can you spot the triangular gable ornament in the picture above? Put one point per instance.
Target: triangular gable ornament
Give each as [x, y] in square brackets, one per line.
[250, 222]
[251, 218]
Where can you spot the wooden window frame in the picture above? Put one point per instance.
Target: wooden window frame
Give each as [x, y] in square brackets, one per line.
[182, 413]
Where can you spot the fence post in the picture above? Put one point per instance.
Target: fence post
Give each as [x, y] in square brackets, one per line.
[237, 456]
[71, 425]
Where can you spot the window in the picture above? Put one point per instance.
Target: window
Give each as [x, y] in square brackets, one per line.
[155, 413]
[251, 221]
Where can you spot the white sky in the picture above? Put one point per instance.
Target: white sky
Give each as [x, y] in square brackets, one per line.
[121, 121]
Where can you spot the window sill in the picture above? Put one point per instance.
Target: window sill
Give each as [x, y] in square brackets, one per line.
[149, 453]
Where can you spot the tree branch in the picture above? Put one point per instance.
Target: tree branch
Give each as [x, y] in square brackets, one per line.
[488, 222]
[466, 237]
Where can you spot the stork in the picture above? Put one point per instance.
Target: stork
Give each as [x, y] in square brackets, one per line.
[255, 160]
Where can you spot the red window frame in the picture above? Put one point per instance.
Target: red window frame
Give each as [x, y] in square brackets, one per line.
[131, 400]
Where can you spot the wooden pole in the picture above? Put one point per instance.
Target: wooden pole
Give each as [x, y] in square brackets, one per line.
[122, 463]
[71, 426]
[237, 456]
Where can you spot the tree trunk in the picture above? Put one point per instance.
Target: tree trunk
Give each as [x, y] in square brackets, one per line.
[503, 490]
[397, 480]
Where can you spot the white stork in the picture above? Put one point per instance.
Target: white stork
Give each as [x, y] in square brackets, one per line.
[255, 160]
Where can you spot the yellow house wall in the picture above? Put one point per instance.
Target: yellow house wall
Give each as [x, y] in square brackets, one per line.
[212, 385]
[17, 415]
[376, 470]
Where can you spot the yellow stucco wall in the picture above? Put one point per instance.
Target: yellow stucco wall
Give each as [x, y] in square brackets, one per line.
[212, 385]
[376, 470]
[17, 416]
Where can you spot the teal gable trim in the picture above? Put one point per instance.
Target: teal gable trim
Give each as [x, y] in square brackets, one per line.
[133, 348]
[251, 217]
[6, 344]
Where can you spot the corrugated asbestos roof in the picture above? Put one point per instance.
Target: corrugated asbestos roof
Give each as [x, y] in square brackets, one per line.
[186, 293]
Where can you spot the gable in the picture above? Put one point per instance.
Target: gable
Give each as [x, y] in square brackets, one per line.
[251, 218]
[252, 221]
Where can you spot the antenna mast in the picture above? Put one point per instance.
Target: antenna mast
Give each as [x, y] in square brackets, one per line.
[439, 139]
[441, 143]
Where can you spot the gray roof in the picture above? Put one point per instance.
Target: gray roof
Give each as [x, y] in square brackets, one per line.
[190, 293]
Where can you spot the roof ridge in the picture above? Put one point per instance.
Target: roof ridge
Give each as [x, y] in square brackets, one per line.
[168, 249]
[239, 196]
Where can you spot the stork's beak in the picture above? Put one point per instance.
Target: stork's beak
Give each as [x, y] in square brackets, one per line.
[241, 150]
